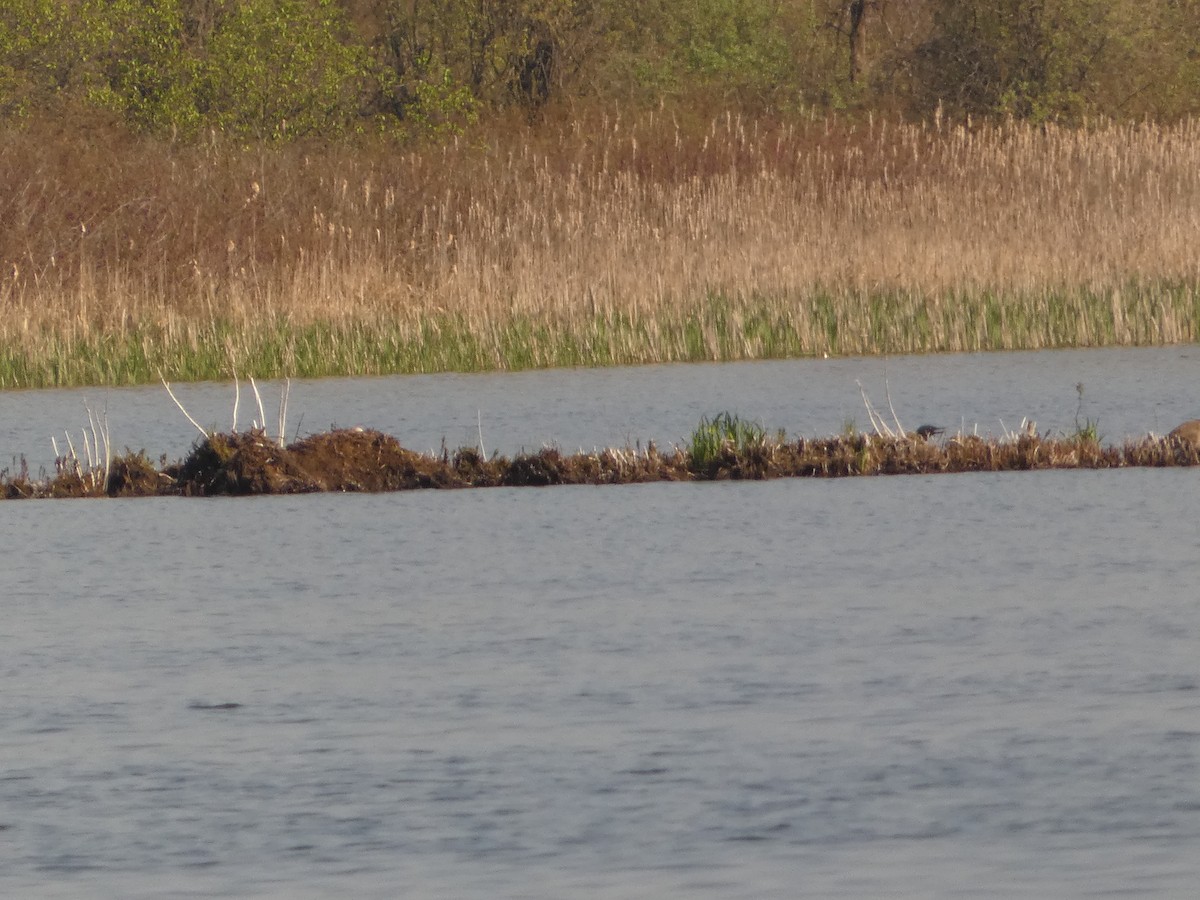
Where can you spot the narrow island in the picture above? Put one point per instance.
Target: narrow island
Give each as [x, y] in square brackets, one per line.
[725, 447]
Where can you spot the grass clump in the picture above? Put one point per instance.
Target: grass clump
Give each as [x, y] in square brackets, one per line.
[727, 443]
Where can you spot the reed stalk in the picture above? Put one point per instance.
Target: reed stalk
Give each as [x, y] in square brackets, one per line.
[591, 242]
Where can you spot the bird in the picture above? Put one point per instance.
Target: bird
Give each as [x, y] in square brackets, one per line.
[925, 432]
[1188, 432]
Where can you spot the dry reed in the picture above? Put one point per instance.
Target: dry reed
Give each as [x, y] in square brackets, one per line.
[589, 242]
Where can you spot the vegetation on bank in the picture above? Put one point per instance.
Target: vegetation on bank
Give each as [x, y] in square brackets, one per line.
[589, 242]
[277, 70]
[725, 447]
[716, 329]
[325, 187]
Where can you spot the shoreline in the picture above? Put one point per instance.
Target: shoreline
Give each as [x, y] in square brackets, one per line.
[602, 243]
[715, 329]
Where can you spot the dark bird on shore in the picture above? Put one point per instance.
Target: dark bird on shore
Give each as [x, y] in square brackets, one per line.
[1188, 432]
[925, 432]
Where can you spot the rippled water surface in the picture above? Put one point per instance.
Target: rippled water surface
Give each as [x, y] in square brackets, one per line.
[982, 685]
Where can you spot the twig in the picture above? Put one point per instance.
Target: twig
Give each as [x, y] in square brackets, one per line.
[479, 425]
[877, 422]
[283, 404]
[237, 396]
[186, 414]
[100, 434]
[261, 423]
[237, 387]
[74, 455]
[895, 418]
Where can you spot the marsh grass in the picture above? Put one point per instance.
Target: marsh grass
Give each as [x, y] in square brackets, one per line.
[722, 439]
[594, 241]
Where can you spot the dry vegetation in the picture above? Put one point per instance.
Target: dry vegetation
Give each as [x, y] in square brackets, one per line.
[589, 242]
[251, 463]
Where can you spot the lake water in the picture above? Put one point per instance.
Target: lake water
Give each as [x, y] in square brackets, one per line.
[943, 686]
[1129, 392]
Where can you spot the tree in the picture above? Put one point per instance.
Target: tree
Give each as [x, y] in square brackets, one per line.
[1033, 59]
[283, 68]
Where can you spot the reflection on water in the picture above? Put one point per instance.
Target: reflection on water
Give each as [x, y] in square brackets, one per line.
[919, 686]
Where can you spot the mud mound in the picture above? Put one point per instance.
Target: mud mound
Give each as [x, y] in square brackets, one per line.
[240, 464]
[536, 470]
[341, 460]
[357, 460]
[133, 475]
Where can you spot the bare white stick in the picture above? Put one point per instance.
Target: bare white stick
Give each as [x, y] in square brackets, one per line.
[283, 405]
[261, 424]
[237, 396]
[186, 414]
[96, 436]
[92, 425]
[867, 403]
[877, 422]
[100, 438]
[54, 444]
[887, 390]
[74, 455]
[479, 425]
[87, 451]
[107, 450]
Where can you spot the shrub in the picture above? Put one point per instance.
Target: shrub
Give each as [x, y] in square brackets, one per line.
[1031, 59]
[141, 67]
[283, 68]
[39, 54]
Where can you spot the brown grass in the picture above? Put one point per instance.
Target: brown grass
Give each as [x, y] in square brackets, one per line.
[103, 237]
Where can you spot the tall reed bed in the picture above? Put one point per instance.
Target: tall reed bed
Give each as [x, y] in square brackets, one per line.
[595, 241]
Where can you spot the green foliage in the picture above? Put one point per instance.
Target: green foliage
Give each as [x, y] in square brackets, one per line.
[722, 436]
[1088, 432]
[39, 54]
[1031, 59]
[142, 70]
[256, 68]
[283, 68]
[438, 106]
[724, 41]
[279, 69]
[751, 51]
[449, 57]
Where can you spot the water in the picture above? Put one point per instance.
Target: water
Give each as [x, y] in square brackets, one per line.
[1129, 392]
[981, 685]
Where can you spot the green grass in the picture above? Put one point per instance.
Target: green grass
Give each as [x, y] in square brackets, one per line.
[720, 436]
[717, 328]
